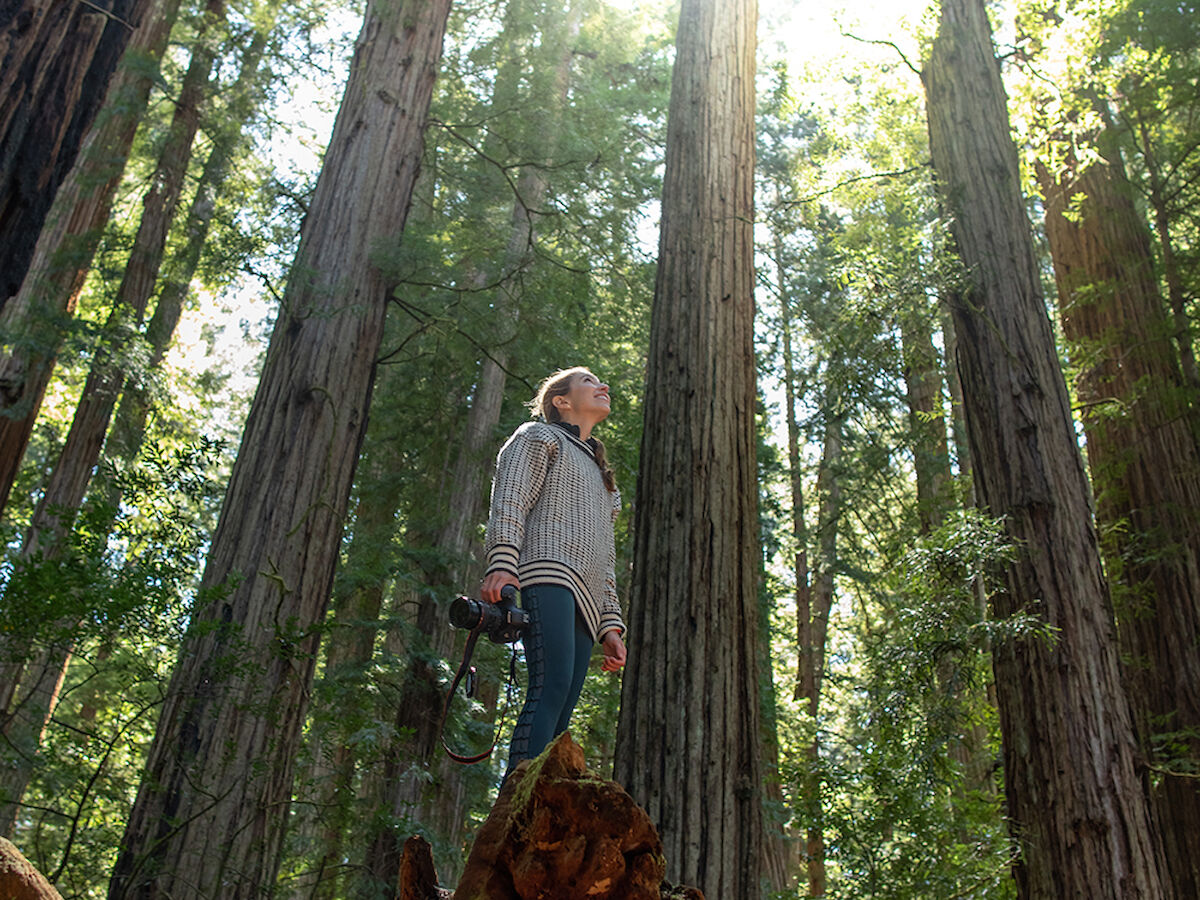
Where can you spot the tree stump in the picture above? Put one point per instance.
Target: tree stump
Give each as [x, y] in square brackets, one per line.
[559, 832]
[418, 877]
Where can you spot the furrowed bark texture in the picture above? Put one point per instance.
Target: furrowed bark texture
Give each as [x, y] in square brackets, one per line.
[688, 741]
[1075, 800]
[923, 390]
[210, 814]
[1146, 469]
[32, 321]
[68, 482]
[56, 60]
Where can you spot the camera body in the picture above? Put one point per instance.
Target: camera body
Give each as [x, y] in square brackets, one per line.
[502, 622]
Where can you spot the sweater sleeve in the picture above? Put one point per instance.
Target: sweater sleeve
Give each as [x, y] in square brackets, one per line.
[521, 469]
[610, 609]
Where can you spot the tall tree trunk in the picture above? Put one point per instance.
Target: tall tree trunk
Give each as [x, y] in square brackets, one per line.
[958, 427]
[1084, 827]
[56, 510]
[125, 440]
[923, 386]
[57, 60]
[1146, 469]
[210, 813]
[1176, 294]
[69, 479]
[814, 633]
[351, 643]
[791, 388]
[31, 322]
[688, 739]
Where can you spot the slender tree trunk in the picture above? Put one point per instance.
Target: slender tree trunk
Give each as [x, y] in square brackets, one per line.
[69, 479]
[57, 60]
[31, 322]
[31, 334]
[814, 632]
[688, 739]
[210, 813]
[1170, 263]
[958, 427]
[351, 645]
[125, 440]
[923, 386]
[935, 499]
[1084, 827]
[803, 597]
[1146, 469]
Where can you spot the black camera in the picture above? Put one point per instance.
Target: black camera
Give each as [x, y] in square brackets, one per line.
[502, 622]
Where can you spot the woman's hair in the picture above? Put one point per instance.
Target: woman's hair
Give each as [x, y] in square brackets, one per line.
[556, 385]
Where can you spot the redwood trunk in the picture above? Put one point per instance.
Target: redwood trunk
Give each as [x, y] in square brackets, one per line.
[210, 813]
[56, 60]
[1075, 800]
[31, 321]
[56, 510]
[69, 479]
[923, 387]
[689, 747]
[129, 424]
[1146, 469]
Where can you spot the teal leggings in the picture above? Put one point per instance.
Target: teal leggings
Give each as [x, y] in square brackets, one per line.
[557, 648]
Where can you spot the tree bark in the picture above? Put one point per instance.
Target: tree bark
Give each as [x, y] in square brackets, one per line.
[125, 440]
[923, 387]
[57, 60]
[55, 512]
[1172, 274]
[69, 479]
[31, 322]
[1146, 470]
[814, 633]
[1084, 826]
[210, 813]
[691, 689]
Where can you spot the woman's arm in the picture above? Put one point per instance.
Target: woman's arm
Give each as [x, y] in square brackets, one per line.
[521, 470]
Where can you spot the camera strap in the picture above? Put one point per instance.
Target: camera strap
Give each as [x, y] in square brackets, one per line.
[465, 670]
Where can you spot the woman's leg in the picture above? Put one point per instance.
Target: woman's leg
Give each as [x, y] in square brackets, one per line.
[551, 655]
[583, 653]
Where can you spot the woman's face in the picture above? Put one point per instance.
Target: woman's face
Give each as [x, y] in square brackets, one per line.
[586, 399]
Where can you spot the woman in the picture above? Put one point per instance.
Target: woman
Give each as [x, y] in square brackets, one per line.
[550, 534]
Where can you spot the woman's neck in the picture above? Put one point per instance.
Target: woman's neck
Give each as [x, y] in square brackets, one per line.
[585, 426]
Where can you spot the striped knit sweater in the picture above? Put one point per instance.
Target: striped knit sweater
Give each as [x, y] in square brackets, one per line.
[551, 521]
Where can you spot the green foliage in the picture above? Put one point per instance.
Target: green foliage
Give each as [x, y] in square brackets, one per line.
[909, 750]
[903, 751]
[117, 594]
[120, 570]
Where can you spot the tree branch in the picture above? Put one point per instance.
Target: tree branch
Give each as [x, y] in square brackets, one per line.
[904, 59]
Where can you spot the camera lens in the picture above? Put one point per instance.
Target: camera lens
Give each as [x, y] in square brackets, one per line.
[464, 613]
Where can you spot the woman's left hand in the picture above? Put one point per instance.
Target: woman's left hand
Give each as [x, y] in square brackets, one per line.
[614, 652]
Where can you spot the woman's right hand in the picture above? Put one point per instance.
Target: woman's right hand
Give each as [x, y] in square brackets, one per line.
[494, 582]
